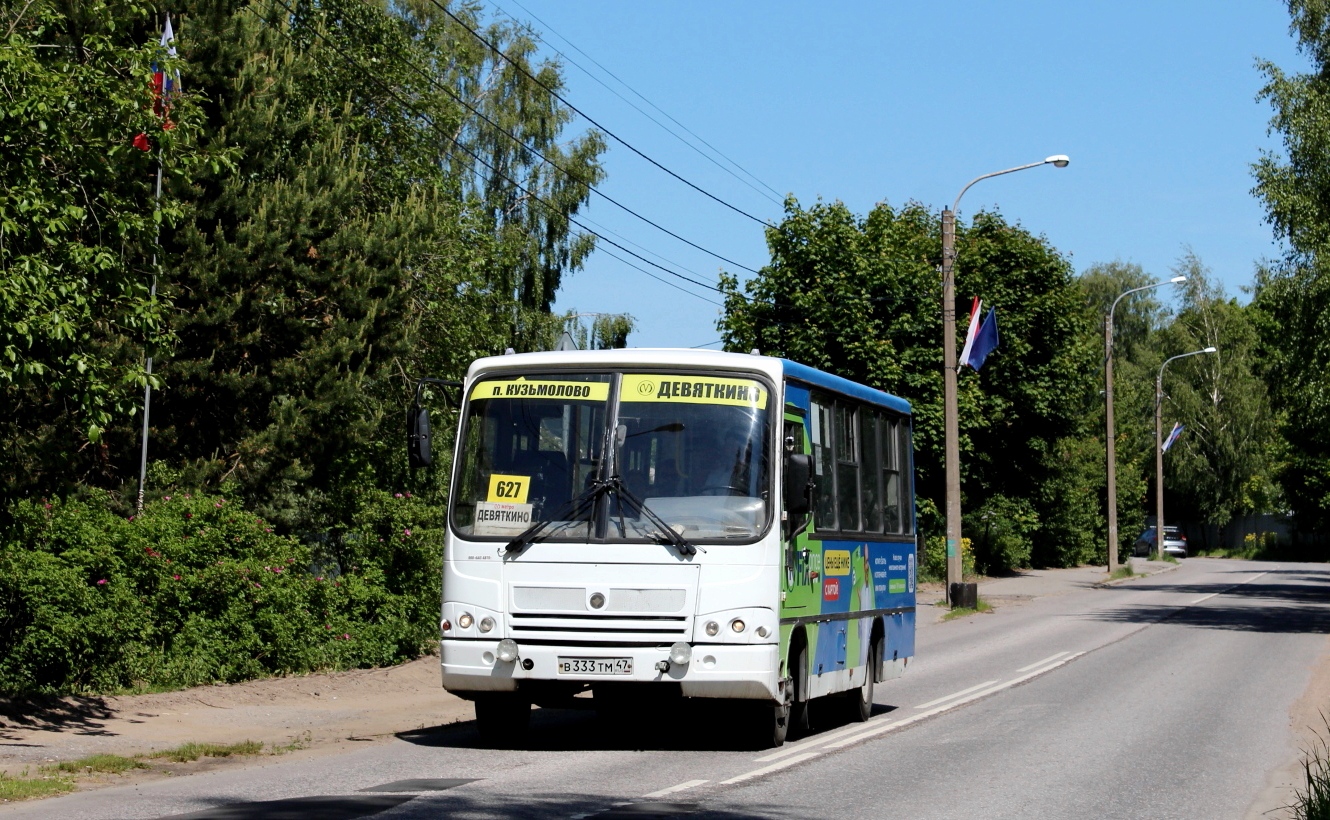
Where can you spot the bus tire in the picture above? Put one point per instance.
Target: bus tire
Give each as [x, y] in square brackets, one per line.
[503, 719]
[799, 722]
[859, 702]
[770, 725]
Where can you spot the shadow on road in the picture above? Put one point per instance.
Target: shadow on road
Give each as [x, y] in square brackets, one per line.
[480, 804]
[1293, 600]
[683, 726]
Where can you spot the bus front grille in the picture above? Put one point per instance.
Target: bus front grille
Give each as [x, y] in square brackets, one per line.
[609, 628]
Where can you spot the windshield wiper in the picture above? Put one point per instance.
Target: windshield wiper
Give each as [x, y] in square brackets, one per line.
[586, 500]
[583, 501]
[667, 533]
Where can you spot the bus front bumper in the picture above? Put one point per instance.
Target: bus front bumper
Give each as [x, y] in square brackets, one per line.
[715, 671]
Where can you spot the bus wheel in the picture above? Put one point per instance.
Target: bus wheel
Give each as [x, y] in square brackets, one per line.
[503, 719]
[771, 723]
[799, 722]
[860, 701]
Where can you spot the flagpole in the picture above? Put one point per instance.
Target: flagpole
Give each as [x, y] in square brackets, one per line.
[1159, 449]
[167, 36]
[152, 295]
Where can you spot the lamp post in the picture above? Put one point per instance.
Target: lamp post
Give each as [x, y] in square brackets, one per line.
[1111, 455]
[1159, 447]
[951, 432]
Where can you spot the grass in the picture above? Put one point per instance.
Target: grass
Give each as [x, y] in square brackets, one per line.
[1123, 571]
[961, 612]
[26, 788]
[114, 764]
[1312, 802]
[188, 752]
[58, 778]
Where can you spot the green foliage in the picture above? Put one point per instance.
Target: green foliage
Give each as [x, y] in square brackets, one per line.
[1004, 534]
[78, 222]
[861, 298]
[1292, 297]
[1220, 467]
[197, 590]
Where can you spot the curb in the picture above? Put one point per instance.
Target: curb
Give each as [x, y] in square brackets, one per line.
[1120, 581]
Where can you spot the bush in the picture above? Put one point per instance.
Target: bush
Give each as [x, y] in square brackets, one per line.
[1003, 529]
[198, 590]
[933, 563]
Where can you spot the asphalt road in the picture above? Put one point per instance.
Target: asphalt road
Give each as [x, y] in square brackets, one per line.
[1165, 698]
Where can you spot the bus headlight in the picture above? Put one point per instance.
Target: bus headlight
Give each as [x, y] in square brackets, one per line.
[506, 651]
[465, 620]
[712, 628]
[486, 624]
[681, 653]
[738, 625]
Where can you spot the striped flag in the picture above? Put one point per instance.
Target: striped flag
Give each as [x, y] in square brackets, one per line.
[1173, 436]
[164, 87]
[984, 342]
[971, 330]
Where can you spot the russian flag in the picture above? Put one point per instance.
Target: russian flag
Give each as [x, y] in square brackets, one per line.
[972, 329]
[164, 86]
[982, 338]
[1173, 436]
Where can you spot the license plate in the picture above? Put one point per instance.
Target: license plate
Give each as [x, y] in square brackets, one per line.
[595, 666]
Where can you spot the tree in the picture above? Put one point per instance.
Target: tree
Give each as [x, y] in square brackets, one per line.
[376, 225]
[860, 298]
[1220, 467]
[1292, 295]
[78, 223]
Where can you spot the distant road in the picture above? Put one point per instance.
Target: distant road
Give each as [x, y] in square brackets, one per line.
[1165, 698]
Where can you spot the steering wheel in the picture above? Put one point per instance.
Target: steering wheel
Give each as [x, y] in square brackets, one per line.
[725, 489]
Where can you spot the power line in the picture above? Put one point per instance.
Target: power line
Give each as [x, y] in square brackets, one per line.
[469, 107]
[430, 121]
[588, 118]
[776, 199]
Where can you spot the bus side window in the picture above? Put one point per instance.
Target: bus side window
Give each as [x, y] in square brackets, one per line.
[824, 463]
[891, 471]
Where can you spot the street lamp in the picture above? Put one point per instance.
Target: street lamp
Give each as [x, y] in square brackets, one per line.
[950, 423]
[1159, 447]
[1110, 437]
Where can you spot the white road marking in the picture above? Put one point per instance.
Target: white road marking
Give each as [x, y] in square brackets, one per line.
[794, 748]
[688, 784]
[1205, 598]
[886, 727]
[768, 769]
[1041, 663]
[959, 694]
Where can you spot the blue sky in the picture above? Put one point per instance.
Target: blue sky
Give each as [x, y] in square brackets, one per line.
[863, 102]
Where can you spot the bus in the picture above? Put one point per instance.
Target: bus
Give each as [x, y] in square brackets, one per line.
[695, 523]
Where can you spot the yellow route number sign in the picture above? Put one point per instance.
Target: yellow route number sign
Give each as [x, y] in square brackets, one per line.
[509, 488]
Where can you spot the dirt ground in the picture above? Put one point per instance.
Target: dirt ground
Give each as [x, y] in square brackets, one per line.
[313, 714]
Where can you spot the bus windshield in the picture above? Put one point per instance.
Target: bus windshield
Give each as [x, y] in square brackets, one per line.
[694, 450]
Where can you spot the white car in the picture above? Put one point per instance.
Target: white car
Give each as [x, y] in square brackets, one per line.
[1175, 543]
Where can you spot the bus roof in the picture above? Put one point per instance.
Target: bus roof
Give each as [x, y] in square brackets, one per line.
[774, 368]
[820, 378]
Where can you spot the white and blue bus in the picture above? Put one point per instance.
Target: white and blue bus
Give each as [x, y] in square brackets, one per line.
[716, 525]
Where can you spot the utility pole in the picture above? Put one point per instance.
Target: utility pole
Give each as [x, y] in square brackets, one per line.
[1110, 434]
[950, 421]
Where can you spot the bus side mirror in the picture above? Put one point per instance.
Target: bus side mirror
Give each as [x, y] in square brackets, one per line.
[798, 484]
[417, 437]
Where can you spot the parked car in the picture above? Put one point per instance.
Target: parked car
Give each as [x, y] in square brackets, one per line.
[1175, 543]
